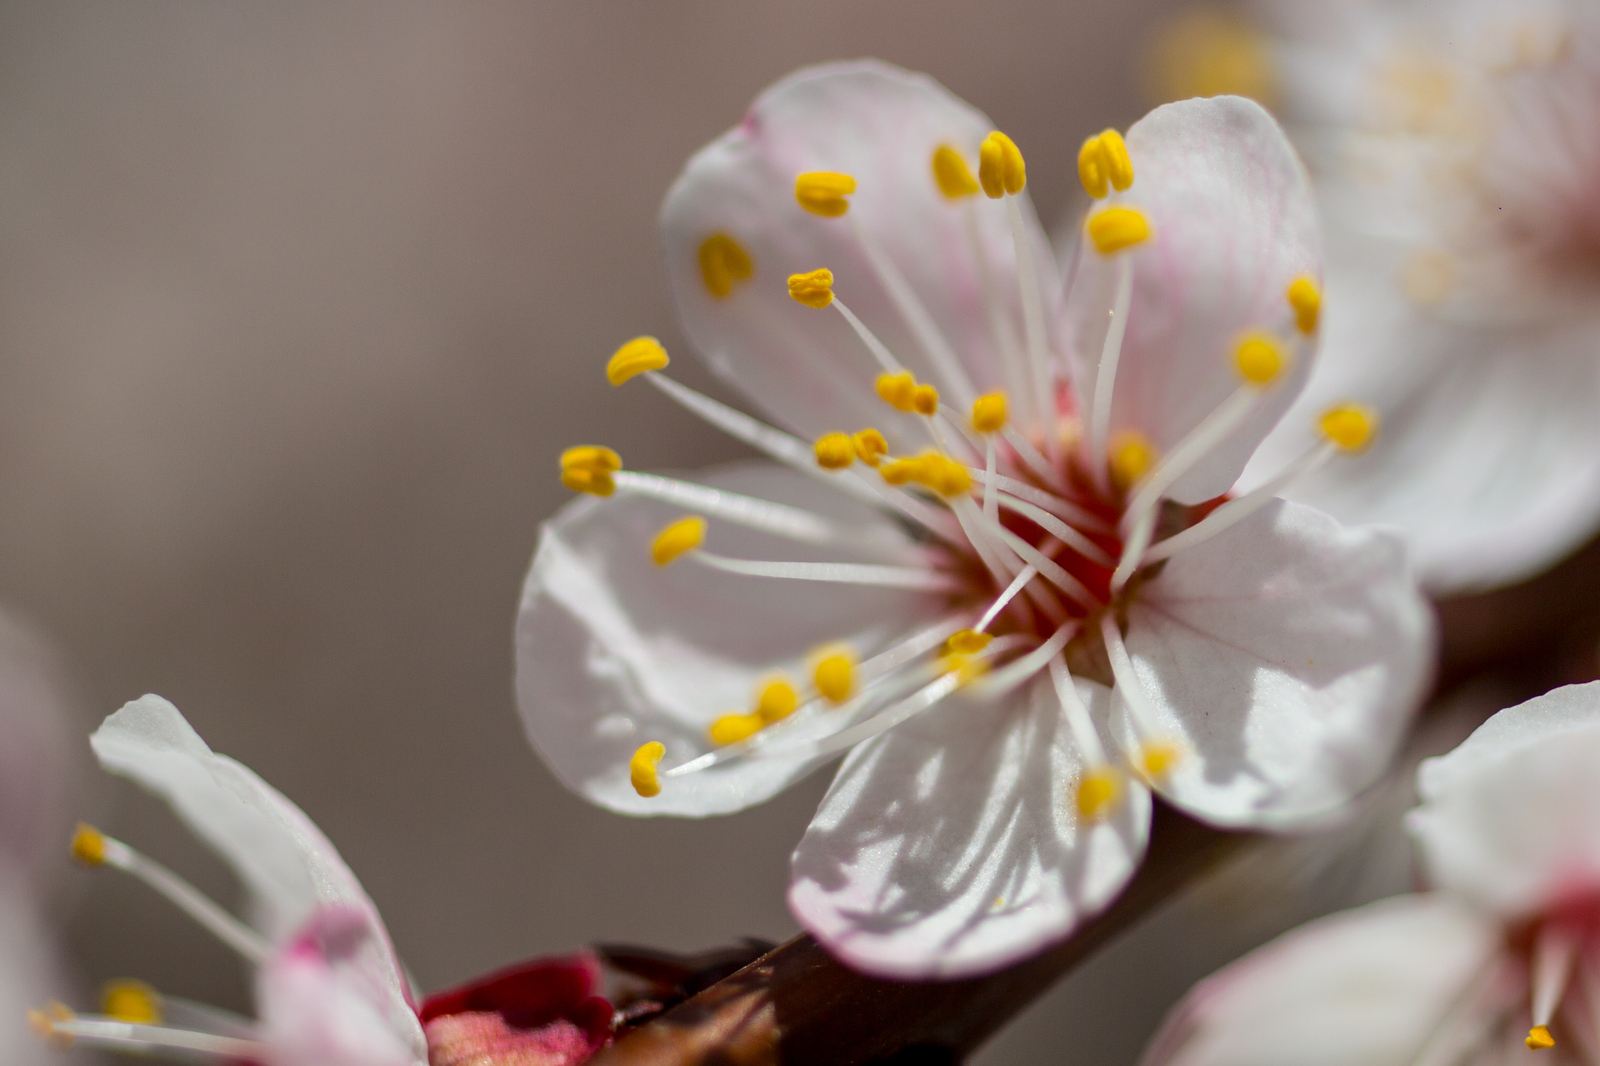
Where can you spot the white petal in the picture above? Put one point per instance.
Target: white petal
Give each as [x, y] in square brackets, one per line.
[613, 651]
[1488, 455]
[326, 1000]
[880, 124]
[1286, 656]
[951, 845]
[1367, 986]
[1509, 819]
[1233, 226]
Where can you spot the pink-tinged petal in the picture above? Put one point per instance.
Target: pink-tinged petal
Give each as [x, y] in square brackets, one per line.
[327, 998]
[881, 125]
[545, 1013]
[1488, 456]
[1233, 225]
[1284, 659]
[30, 971]
[1368, 986]
[951, 845]
[1508, 819]
[614, 651]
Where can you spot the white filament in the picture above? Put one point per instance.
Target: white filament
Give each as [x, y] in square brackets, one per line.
[1553, 954]
[1077, 715]
[879, 350]
[1105, 377]
[224, 926]
[782, 520]
[1023, 667]
[1059, 529]
[1236, 510]
[1028, 574]
[1033, 324]
[901, 577]
[130, 1036]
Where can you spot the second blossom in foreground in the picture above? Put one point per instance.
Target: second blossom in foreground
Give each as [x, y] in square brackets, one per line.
[330, 990]
[1500, 960]
[990, 558]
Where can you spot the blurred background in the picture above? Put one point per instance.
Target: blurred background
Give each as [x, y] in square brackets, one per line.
[298, 304]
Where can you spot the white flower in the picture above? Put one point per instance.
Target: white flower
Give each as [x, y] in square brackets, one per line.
[329, 988]
[1502, 956]
[1457, 152]
[948, 571]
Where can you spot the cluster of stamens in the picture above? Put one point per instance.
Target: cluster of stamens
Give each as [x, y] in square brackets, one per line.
[1037, 528]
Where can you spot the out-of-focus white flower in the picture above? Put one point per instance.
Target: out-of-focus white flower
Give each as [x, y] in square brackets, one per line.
[1502, 956]
[329, 989]
[989, 561]
[1456, 147]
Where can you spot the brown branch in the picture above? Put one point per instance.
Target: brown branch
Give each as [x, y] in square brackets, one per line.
[796, 1005]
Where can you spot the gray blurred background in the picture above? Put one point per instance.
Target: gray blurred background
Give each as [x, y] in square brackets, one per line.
[298, 304]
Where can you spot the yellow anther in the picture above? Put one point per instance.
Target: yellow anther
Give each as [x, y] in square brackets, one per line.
[951, 172]
[835, 451]
[642, 768]
[900, 471]
[968, 642]
[588, 468]
[943, 475]
[1260, 359]
[1157, 759]
[1000, 166]
[925, 400]
[723, 264]
[1131, 455]
[1349, 427]
[732, 728]
[44, 1022]
[989, 413]
[814, 289]
[870, 446]
[1539, 1038]
[896, 390]
[777, 701]
[967, 668]
[1103, 164]
[1097, 792]
[131, 1001]
[835, 675]
[634, 358]
[1117, 228]
[88, 845]
[686, 534]
[823, 193]
[1306, 299]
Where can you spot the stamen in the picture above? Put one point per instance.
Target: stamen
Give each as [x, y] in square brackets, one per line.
[588, 468]
[1033, 323]
[925, 400]
[1040, 466]
[1001, 169]
[835, 451]
[731, 729]
[724, 264]
[1050, 570]
[823, 192]
[943, 475]
[1306, 300]
[1098, 791]
[901, 577]
[1132, 454]
[1105, 377]
[814, 289]
[1553, 955]
[921, 700]
[967, 642]
[634, 358]
[778, 519]
[1156, 759]
[1058, 529]
[896, 389]
[684, 535]
[642, 768]
[127, 1036]
[1127, 680]
[1260, 358]
[1047, 502]
[834, 675]
[991, 495]
[870, 446]
[1351, 427]
[1117, 228]
[1077, 714]
[989, 412]
[915, 314]
[1020, 669]
[131, 1001]
[777, 701]
[951, 174]
[94, 848]
[1103, 164]
[1028, 574]
[879, 350]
